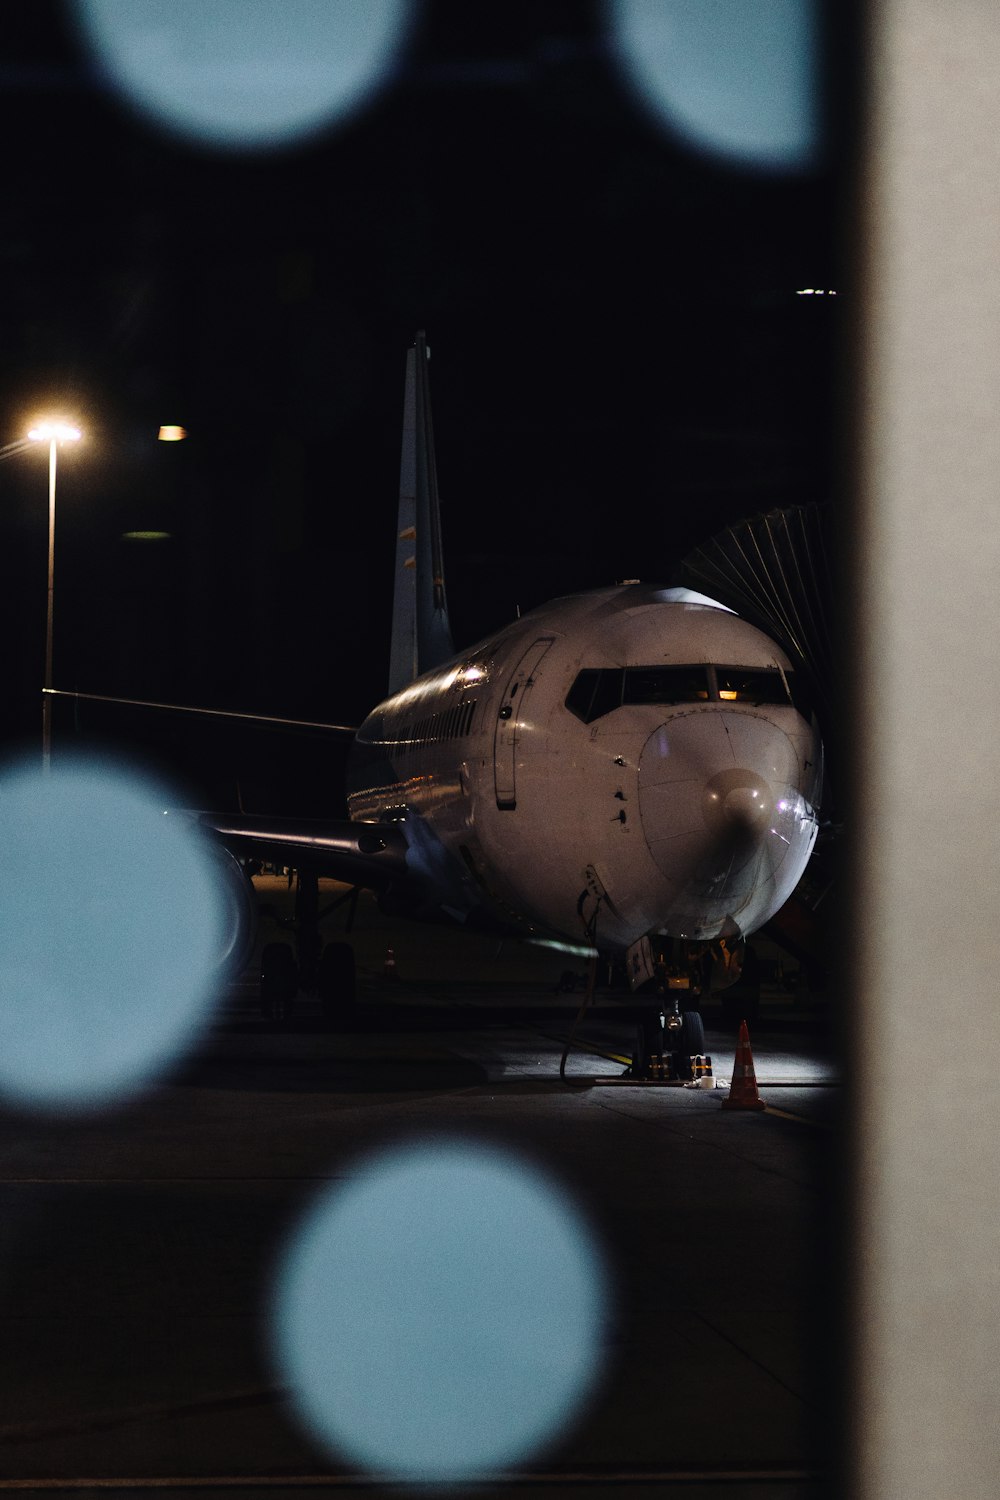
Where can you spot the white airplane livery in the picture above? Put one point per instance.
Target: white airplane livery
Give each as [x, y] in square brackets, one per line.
[615, 764]
[632, 769]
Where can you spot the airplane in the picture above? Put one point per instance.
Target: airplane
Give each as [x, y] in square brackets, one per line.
[632, 771]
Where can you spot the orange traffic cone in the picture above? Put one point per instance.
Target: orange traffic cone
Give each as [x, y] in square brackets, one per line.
[389, 967]
[743, 1094]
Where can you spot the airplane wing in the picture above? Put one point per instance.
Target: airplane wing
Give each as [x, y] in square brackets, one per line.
[220, 715]
[367, 854]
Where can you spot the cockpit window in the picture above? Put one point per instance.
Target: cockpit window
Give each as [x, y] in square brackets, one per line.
[598, 691]
[666, 685]
[751, 685]
[595, 693]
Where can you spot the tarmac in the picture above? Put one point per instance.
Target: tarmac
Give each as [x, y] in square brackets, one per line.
[138, 1246]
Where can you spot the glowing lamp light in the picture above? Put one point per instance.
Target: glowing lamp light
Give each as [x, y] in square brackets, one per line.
[172, 434]
[55, 432]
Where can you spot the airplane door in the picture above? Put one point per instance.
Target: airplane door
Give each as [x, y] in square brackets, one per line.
[510, 721]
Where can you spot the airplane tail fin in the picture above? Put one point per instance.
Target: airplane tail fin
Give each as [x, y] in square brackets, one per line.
[421, 633]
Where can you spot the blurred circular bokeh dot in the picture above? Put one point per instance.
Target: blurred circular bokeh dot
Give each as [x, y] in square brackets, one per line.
[244, 74]
[438, 1316]
[113, 920]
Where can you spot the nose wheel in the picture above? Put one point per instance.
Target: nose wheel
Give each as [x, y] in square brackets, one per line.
[647, 1054]
[665, 1051]
[692, 1034]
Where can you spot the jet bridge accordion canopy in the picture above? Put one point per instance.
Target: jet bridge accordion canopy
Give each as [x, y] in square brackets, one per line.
[777, 571]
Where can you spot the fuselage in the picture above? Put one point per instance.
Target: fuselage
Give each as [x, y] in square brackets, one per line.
[611, 765]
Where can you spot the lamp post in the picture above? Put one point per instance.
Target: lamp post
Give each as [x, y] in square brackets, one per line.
[52, 433]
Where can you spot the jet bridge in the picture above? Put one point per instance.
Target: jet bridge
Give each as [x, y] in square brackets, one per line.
[780, 571]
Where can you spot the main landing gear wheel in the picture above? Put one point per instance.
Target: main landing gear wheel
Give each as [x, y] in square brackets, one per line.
[279, 980]
[337, 983]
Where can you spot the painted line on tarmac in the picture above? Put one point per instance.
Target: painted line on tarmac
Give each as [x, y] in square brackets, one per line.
[796, 1083]
[38, 1432]
[786, 1114]
[152, 1181]
[590, 1049]
[585, 1478]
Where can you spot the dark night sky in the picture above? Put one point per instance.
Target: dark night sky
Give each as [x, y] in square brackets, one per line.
[620, 363]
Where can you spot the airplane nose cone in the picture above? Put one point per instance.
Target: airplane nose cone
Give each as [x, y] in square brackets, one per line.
[720, 810]
[737, 801]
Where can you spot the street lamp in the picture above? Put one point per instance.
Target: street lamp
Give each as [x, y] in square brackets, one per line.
[52, 433]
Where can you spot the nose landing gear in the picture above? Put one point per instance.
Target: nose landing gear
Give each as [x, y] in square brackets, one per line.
[666, 1043]
[669, 1037]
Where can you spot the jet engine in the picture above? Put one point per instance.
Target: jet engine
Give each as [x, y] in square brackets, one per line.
[238, 921]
